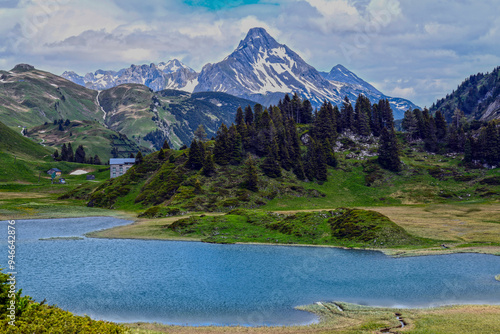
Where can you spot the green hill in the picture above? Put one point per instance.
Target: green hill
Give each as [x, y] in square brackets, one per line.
[14, 143]
[30, 97]
[341, 227]
[96, 139]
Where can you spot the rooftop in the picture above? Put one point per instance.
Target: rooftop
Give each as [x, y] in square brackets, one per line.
[122, 161]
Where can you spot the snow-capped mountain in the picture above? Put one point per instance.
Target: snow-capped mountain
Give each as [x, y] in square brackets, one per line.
[259, 69]
[341, 74]
[262, 70]
[170, 75]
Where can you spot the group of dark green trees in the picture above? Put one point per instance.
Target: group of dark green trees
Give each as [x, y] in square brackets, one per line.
[478, 141]
[78, 156]
[272, 135]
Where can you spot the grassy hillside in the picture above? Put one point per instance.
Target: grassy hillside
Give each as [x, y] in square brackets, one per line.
[162, 188]
[31, 97]
[14, 143]
[95, 138]
[151, 117]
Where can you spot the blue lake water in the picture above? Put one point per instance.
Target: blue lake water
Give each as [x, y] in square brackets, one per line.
[196, 283]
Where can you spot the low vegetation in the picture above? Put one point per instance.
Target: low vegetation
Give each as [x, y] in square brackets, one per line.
[33, 317]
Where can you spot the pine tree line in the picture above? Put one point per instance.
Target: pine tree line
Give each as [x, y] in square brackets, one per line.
[271, 134]
[78, 156]
[478, 141]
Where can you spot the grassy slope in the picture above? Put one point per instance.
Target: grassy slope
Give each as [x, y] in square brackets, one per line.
[14, 143]
[95, 137]
[29, 98]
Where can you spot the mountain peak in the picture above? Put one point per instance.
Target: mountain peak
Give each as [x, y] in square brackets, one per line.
[258, 37]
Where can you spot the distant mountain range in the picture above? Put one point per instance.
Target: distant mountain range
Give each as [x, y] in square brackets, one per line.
[259, 69]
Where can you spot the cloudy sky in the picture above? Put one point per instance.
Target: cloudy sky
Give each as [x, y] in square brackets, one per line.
[420, 50]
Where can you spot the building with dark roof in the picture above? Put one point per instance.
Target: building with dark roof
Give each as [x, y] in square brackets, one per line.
[120, 166]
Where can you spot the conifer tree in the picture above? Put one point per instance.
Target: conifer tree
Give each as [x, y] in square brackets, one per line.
[161, 154]
[258, 109]
[195, 156]
[200, 133]
[139, 158]
[441, 126]
[64, 153]
[388, 152]
[131, 156]
[329, 154]
[222, 147]
[271, 166]
[97, 160]
[306, 113]
[310, 161]
[251, 176]
[249, 116]
[265, 134]
[492, 144]
[410, 126]
[70, 153]
[321, 162]
[165, 145]
[237, 150]
[208, 165]
[80, 154]
[376, 120]
[56, 155]
[347, 114]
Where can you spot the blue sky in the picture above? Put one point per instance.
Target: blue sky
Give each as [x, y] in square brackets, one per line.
[420, 50]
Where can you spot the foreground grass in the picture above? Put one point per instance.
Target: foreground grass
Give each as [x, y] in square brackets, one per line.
[353, 319]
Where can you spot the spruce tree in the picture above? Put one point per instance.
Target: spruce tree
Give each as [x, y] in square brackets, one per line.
[56, 155]
[195, 156]
[208, 165]
[161, 154]
[441, 126]
[388, 152]
[306, 114]
[362, 113]
[222, 147]
[165, 145]
[64, 153]
[251, 177]
[258, 109]
[347, 114]
[70, 153]
[97, 160]
[139, 158]
[321, 162]
[80, 154]
[249, 116]
[271, 166]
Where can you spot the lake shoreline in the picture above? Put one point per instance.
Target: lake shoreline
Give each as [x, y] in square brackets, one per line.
[341, 317]
[145, 229]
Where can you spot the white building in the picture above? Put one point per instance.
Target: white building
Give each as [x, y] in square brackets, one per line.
[118, 167]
